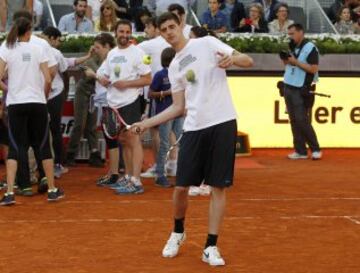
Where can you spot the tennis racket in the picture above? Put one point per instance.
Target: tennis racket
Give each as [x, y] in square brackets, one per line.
[172, 147]
[112, 123]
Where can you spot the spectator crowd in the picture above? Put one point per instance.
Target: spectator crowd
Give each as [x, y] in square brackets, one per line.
[260, 16]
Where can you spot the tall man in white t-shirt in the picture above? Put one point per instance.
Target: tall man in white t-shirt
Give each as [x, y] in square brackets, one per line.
[125, 73]
[198, 80]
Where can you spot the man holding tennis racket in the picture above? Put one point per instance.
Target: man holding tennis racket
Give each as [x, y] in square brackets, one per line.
[207, 148]
[125, 73]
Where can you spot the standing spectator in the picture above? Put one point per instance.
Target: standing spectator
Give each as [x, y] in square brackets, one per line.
[344, 24]
[235, 12]
[84, 120]
[269, 7]
[179, 11]
[26, 102]
[9, 7]
[38, 13]
[213, 19]
[256, 22]
[76, 21]
[108, 17]
[280, 25]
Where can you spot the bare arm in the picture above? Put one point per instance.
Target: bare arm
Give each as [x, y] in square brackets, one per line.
[237, 59]
[177, 108]
[159, 95]
[144, 80]
[2, 69]
[47, 77]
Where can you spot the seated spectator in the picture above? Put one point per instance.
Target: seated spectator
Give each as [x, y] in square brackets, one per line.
[338, 4]
[76, 21]
[269, 7]
[280, 25]
[213, 19]
[158, 7]
[179, 11]
[141, 19]
[255, 23]
[108, 17]
[344, 24]
[234, 12]
[122, 9]
[357, 23]
[37, 13]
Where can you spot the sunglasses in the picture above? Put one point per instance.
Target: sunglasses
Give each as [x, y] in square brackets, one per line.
[108, 8]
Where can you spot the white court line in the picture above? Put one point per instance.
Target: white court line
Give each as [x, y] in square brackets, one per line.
[155, 220]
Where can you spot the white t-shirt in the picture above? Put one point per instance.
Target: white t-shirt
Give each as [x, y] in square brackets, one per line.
[187, 30]
[100, 90]
[26, 84]
[46, 47]
[57, 85]
[207, 99]
[154, 48]
[124, 64]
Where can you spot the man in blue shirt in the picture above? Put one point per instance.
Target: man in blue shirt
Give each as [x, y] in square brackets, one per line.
[76, 22]
[213, 19]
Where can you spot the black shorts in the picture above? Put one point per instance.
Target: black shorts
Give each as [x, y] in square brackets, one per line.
[131, 113]
[207, 155]
[4, 133]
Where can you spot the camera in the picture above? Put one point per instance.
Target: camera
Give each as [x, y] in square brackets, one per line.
[284, 55]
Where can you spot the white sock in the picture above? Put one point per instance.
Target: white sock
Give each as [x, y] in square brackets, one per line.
[136, 181]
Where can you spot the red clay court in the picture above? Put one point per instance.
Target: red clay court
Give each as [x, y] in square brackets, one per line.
[282, 216]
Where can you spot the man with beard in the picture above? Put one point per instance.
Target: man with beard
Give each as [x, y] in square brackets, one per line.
[77, 21]
[125, 73]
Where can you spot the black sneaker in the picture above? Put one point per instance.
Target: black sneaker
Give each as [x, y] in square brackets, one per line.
[55, 196]
[27, 192]
[8, 200]
[3, 185]
[107, 180]
[70, 160]
[95, 160]
[43, 185]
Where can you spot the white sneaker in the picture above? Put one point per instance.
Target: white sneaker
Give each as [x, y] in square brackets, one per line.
[212, 256]
[204, 189]
[150, 173]
[194, 191]
[295, 156]
[172, 246]
[316, 155]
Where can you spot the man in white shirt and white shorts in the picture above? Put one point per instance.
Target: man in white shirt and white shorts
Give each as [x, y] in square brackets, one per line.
[207, 148]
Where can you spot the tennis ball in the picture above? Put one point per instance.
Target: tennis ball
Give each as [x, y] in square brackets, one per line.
[190, 76]
[147, 59]
[117, 70]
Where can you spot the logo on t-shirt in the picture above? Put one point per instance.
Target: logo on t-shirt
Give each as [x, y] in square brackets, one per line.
[118, 60]
[26, 57]
[186, 61]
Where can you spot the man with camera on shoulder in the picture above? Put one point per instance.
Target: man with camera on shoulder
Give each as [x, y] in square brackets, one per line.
[301, 70]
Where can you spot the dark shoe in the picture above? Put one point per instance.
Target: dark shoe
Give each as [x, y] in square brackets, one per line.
[107, 180]
[3, 185]
[70, 160]
[43, 185]
[55, 195]
[162, 182]
[7, 200]
[95, 160]
[27, 192]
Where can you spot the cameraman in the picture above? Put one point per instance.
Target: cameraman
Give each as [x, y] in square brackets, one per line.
[301, 70]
